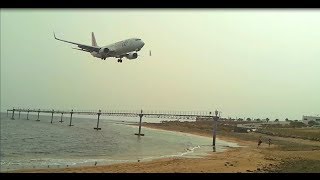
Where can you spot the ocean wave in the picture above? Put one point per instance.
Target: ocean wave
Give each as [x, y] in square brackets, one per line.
[41, 152]
[24, 139]
[189, 150]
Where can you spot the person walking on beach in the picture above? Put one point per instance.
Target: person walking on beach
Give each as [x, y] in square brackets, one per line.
[269, 141]
[259, 141]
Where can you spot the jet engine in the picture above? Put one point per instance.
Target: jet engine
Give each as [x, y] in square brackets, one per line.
[132, 55]
[104, 50]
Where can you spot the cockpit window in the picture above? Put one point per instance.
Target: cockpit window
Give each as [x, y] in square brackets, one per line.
[138, 39]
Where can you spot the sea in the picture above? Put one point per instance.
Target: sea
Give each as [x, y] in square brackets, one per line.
[27, 144]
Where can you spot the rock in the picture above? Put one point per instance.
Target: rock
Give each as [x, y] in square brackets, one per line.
[258, 169]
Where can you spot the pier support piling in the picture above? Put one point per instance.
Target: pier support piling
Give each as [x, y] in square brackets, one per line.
[71, 117]
[12, 114]
[19, 114]
[28, 115]
[7, 113]
[52, 115]
[61, 118]
[140, 116]
[97, 128]
[38, 115]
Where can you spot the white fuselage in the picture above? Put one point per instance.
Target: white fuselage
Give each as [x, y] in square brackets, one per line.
[119, 49]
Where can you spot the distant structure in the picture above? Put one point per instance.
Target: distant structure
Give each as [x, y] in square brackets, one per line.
[306, 119]
[203, 119]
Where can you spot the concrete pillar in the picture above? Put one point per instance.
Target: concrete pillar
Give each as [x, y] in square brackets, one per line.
[71, 117]
[140, 115]
[215, 122]
[52, 115]
[38, 115]
[97, 128]
[61, 118]
[13, 113]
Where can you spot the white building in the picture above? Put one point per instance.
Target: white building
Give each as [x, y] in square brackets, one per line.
[306, 119]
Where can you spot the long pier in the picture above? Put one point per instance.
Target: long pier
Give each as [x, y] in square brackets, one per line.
[140, 114]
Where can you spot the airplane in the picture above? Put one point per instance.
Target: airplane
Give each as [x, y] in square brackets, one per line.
[127, 48]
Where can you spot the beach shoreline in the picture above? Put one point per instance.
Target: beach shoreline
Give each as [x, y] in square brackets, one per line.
[135, 166]
[245, 159]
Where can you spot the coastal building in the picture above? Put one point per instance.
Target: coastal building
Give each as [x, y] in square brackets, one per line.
[306, 119]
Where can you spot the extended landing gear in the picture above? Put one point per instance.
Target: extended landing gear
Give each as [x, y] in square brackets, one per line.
[119, 60]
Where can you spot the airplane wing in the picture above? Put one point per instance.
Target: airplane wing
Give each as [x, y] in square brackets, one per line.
[83, 47]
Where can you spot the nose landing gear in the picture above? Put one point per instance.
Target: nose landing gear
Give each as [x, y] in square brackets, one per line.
[119, 60]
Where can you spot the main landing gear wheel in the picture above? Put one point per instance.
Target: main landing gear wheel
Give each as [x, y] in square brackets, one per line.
[120, 60]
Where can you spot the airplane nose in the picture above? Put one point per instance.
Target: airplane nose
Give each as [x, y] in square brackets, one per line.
[142, 43]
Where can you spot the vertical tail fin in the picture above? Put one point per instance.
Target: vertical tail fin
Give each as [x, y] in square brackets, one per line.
[94, 43]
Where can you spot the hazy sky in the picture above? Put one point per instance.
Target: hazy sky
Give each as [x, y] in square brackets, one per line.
[246, 63]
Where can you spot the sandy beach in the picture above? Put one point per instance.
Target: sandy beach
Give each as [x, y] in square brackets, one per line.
[248, 158]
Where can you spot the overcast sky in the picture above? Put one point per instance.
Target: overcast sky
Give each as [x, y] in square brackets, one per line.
[246, 63]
